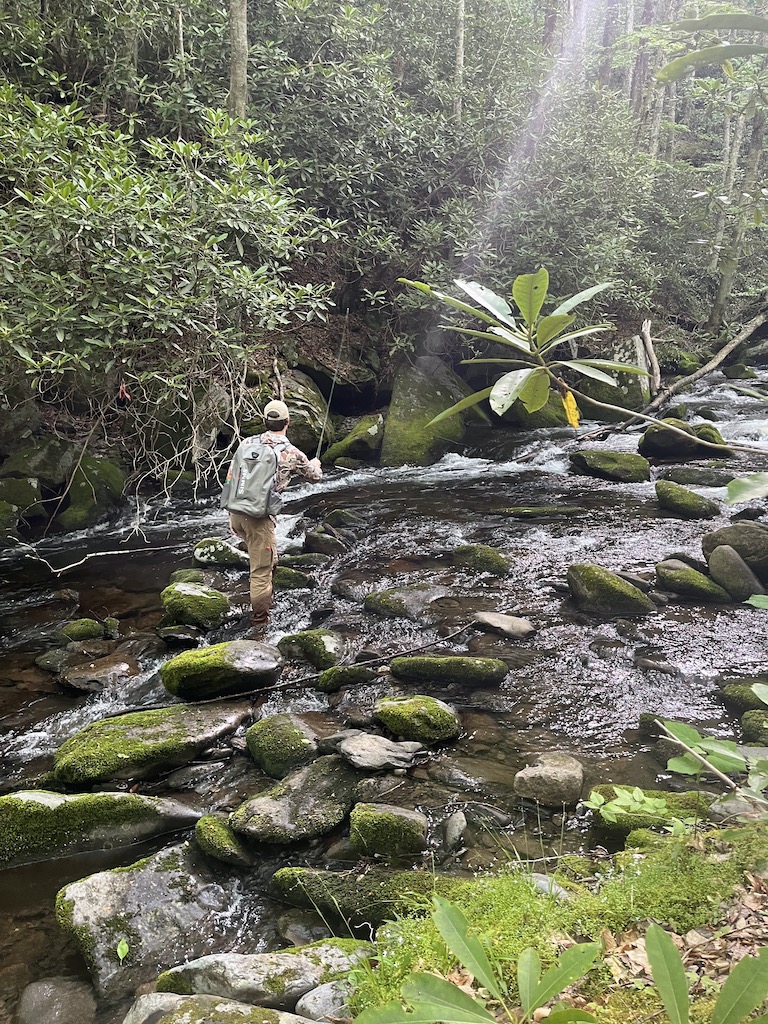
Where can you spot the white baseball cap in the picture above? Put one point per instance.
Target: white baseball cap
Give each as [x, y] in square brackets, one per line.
[276, 410]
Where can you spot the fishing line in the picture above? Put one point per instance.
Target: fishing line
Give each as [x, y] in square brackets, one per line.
[333, 384]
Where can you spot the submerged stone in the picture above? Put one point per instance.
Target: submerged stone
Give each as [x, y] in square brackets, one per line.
[511, 626]
[713, 474]
[232, 667]
[624, 467]
[421, 718]
[387, 831]
[482, 558]
[684, 502]
[339, 676]
[555, 779]
[192, 604]
[320, 647]
[280, 743]
[411, 602]
[601, 592]
[95, 676]
[541, 511]
[449, 669]
[217, 551]
[681, 579]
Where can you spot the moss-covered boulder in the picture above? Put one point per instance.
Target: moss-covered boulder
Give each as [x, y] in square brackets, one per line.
[20, 417]
[551, 414]
[362, 442]
[712, 474]
[320, 647]
[739, 371]
[685, 503]
[324, 542]
[661, 443]
[421, 718]
[754, 727]
[452, 668]
[37, 825]
[193, 604]
[728, 568]
[679, 578]
[304, 561]
[481, 558]
[671, 805]
[601, 592]
[9, 521]
[285, 578]
[410, 602]
[280, 743]
[676, 360]
[93, 492]
[26, 495]
[237, 666]
[187, 576]
[81, 629]
[141, 744]
[167, 1008]
[216, 839]
[384, 830]
[748, 539]
[218, 551]
[49, 460]
[625, 467]
[308, 408]
[340, 676]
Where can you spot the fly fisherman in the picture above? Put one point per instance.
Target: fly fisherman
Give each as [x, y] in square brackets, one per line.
[259, 472]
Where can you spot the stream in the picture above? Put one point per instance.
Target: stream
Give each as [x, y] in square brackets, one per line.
[577, 685]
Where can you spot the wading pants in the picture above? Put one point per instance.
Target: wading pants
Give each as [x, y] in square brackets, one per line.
[260, 539]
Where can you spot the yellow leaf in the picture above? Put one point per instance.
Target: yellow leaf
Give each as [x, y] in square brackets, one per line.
[571, 409]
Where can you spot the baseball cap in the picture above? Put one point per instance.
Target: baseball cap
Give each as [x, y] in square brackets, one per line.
[276, 410]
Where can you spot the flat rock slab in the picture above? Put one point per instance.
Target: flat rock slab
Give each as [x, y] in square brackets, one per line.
[376, 753]
[165, 1008]
[95, 676]
[511, 626]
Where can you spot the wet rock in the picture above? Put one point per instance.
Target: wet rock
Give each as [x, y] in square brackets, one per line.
[280, 743]
[9, 521]
[487, 816]
[624, 467]
[217, 551]
[410, 602]
[685, 503]
[511, 626]
[192, 604]
[424, 719]
[659, 442]
[187, 576]
[172, 907]
[713, 475]
[681, 579]
[216, 839]
[38, 825]
[553, 780]
[541, 511]
[48, 460]
[20, 417]
[82, 629]
[748, 539]
[308, 560]
[376, 753]
[362, 442]
[341, 676]
[94, 490]
[754, 727]
[481, 558]
[232, 667]
[453, 829]
[180, 636]
[738, 371]
[741, 695]
[328, 1002]
[140, 744]
[449, 669]
[284, 578]
[323, 542]
[95, 676]
[387, 831]
[26, 495]
[309, 411]
[322, 648]
[301, 927]
[600, 592]
[728, 568]
[57, 660]
[56, 1001]
[310, 802]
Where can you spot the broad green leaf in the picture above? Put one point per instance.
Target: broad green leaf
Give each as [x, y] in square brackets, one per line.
[588, 371]
[535, 392]
[467, 948]
[488, 299]
[668, 973]
[448, 299]
[714, 22]
[122, 950]
[585, 296]
[550, 326]
[607, 364]
[758, 600]
[444, 1001]
[744, 990]
[389, 1013]
[582, 333]
[685, 765]
[507, 390]
[721, 755]
[528, 978]
[511, 339]
[465, 403]
[705, 58]
[760, 690]
[494, 334]
[529, 292]
[570, 1016]
[745, 488]
[573, 964]
[686, 733]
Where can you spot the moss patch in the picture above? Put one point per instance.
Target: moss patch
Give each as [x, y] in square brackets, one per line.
[192, 604]
[279, 743]
[482, 558]
[216, 839]
[754, 727]
[418, 718]
[333, 679]
[600, 592]
[450, 669]
[685, 503]
[376, 830]
[82, 629]
[320, 647]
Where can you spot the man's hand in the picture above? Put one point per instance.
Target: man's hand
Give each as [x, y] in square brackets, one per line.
[316, 466]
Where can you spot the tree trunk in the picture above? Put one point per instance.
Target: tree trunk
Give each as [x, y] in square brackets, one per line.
[458, 77]
[610, 34]
[551, 21]
[732, 142]
[237, 101]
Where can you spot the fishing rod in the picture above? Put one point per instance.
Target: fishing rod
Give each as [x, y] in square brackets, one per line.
[333, 384]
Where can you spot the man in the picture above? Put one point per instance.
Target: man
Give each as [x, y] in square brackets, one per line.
[259, 534]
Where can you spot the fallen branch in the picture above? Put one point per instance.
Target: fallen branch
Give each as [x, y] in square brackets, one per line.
[94, 554]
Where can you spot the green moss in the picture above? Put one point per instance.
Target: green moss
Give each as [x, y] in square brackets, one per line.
[191, 604]
[95, 488]
[187, 576]
[279, 743]
[420, 392]
[216, 839]
[284, 578]
[482, 558]
[192, 1013]
[679, 805]
[373, 830]
[661, 442]
[450, 669]
[65, 918]
[600, 592]
[82, 629]
[689, 582]
[684, 502]
[333, 679]
[754, 727]
[625, 467]
[362, 442]
[743, 697]
[320, 647]
[230, 667]
[178, 983]
[389, 604]
[418, 718]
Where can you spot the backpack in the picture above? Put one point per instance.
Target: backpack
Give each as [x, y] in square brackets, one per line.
[250, 484]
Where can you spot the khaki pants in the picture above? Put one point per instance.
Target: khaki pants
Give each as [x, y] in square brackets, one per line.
[260, 539]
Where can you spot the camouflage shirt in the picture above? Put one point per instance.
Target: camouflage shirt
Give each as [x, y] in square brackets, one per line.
[290, 460]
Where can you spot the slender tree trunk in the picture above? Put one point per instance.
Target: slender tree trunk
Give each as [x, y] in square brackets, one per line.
[130, 94]
[610, 34]
[458, 77]
[551, 21]
[654, 130]
[671, 136]
[732, 142]
[238, 58]
[629, 28]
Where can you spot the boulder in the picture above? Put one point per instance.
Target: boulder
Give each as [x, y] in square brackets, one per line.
[49, 460]
[233, 667]
[95, 676]
[450, 668]
[309, 411]
[600, 592]
[339, 676]
[387, 831]
[624, 467]
[424, 719]
[284, 578]
[754, 727]
[280, 743]
[411, 602]
[373, 753]
[37, 825]
[323, 542]
[20, 417]
[192, 604]
[748, 539]
[713, 474]
[510, 626]
[728, 568]
[82, 629]
[310, 802]
[481, 558]
[320, 647]
[328, 1002]
[56, 1001]
[307, 560]
[659, 442]
[553, 780]
[93, 492]
[630, 390]
[26, 495]
[679, 578]
[685, 503]
[9, 521]
[141, 744]
[362, 442]
[218, 551]
[216, 839]
[187, 576]
[738, 371]
[741, 695]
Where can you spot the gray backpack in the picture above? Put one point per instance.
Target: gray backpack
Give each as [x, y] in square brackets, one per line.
[250, 484]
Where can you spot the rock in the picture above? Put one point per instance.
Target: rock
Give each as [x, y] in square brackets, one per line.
[320, 647]
[309, 411]
[748, 539]
[25, 494]
[310, 802]
[56, 1001]
[95, 676]
[424, 719]
[20, 417]
[164, 1008]
[542, 511]
[284, 578]
[217, 551]
[192, 604]
[280, 743]
[622, 466]
[411, 602]
[481, 558]
[339, 676]
[754, 727]
[728, 568]
[548, 886]
[505, 625]
[142, 743]
[232, 667]
[453, 829]
[738, 371]
[685, 503]
[600, 592]
[93, 492]
[678, 805]
[712, 475]
[553, 780]
[82, 629]
[216, 839]
[308, 560]
[187, 576]
[9, 521]
[59, 659]
[169, 908]
[323, 542]
[49, 460]
[680, 578]
[328, 1002]
[734, 808]
[741, 695]
[387, 831]
[362, 442]
[376, 753]
[180, 636]
[659, 442]
[301, 927]
[450, 668]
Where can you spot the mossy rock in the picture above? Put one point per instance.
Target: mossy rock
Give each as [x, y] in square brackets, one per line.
[49, 460]
[748, 539]
[600, 592]
[678, 805]
[685, 503]
[9, 521]
[308, 409]
[409, 602]
[482, 558]
[681, 579]
[25, 494]
[340, 676]
[387, 831]
[82, 629]
[625, 467]
[464, 669]
[322, 648]
[93, 492]
[339, 518]
[216, 839]
[218, 551]
[739, 371]
[552, 414]
[187, 576]
[742, 697]
[284, 578]
[280, 743]
[754, 727]
[421, 718]
[193, 604]
[660, 442]
[307, 560]
[233, 667]
[713, 474]
[542, 511]
[674, 360]
[362, 442]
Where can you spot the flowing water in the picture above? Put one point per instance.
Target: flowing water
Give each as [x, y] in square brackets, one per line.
[578, 685]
